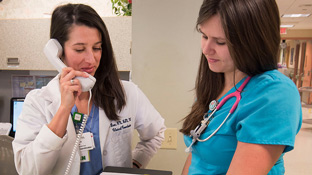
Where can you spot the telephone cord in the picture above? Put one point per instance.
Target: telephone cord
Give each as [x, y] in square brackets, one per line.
[80, 132]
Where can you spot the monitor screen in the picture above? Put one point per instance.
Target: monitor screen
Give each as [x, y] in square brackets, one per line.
[16, 109]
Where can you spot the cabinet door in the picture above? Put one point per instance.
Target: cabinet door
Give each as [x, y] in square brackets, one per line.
[307, 97]
[302, 59]
[25, 39]
[296, 65]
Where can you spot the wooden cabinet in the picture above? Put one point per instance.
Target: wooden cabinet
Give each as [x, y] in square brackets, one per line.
[24, 39]
[307, 75]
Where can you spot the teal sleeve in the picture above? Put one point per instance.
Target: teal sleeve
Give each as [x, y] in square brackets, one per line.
[270, 113]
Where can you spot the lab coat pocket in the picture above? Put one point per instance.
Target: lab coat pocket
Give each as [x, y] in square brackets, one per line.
[121, 147]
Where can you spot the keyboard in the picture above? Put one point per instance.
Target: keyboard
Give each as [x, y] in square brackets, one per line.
[5, 128]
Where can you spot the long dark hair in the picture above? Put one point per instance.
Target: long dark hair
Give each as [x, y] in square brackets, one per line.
[251, 29]
[107, 90]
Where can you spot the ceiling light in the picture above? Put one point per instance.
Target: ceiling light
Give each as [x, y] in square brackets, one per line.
[295, 15]
[287, 25]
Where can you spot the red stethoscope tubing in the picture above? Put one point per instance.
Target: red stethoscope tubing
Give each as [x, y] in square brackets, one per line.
[236, 94]
[201, 127]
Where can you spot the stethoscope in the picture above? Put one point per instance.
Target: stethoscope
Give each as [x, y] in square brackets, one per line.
[214, 106]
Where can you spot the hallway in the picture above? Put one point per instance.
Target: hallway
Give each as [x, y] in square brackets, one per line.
[299, 160]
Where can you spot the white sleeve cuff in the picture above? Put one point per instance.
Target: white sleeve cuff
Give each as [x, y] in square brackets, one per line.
[50, 140]
[142, 158]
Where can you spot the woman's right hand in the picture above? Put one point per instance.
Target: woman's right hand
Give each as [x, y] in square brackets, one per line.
[70, 88]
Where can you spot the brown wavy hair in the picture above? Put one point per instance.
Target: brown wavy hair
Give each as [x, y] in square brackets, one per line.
[252, 31]
[107, 90]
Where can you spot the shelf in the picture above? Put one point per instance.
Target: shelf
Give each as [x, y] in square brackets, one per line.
[306, 105]
[305, 89]
[308, 121]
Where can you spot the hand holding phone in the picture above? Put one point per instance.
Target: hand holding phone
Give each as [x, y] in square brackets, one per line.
[53, 50]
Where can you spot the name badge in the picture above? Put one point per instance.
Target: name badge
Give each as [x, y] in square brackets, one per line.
[85, 156]
[77, 117]
[86, 142]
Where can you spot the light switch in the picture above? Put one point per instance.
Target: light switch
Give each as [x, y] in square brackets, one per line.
[170, 141]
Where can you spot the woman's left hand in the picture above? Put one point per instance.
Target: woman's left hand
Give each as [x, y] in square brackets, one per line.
[136, 164]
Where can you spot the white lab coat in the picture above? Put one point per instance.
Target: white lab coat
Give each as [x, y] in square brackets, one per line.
[39, 151]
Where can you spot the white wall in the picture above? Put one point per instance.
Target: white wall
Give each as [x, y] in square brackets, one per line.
[165, 58]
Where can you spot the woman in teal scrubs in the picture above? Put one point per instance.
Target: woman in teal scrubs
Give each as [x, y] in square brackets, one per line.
[241, 39]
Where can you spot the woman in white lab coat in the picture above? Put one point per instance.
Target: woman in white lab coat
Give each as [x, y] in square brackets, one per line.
[46, 132]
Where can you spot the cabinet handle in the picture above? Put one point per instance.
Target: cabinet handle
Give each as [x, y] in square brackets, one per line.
[12, 62]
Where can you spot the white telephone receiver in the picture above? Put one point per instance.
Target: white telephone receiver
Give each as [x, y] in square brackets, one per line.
[53, 51]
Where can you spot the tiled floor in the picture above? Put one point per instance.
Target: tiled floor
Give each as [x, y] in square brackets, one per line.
[299, 160]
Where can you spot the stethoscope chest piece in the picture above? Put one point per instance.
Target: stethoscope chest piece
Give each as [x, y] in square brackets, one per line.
[213, 104]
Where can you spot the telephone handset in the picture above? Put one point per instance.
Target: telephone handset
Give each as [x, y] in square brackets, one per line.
[53, 50]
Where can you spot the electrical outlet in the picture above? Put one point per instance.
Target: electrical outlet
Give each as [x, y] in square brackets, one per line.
[170, 141]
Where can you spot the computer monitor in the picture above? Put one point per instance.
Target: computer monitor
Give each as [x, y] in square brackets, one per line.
[16, 106]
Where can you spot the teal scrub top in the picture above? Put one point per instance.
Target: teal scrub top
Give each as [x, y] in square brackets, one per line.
[269, 112]
[94, 166]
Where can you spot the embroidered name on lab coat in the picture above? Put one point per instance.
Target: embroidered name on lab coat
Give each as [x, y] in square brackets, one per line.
[121, 124]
